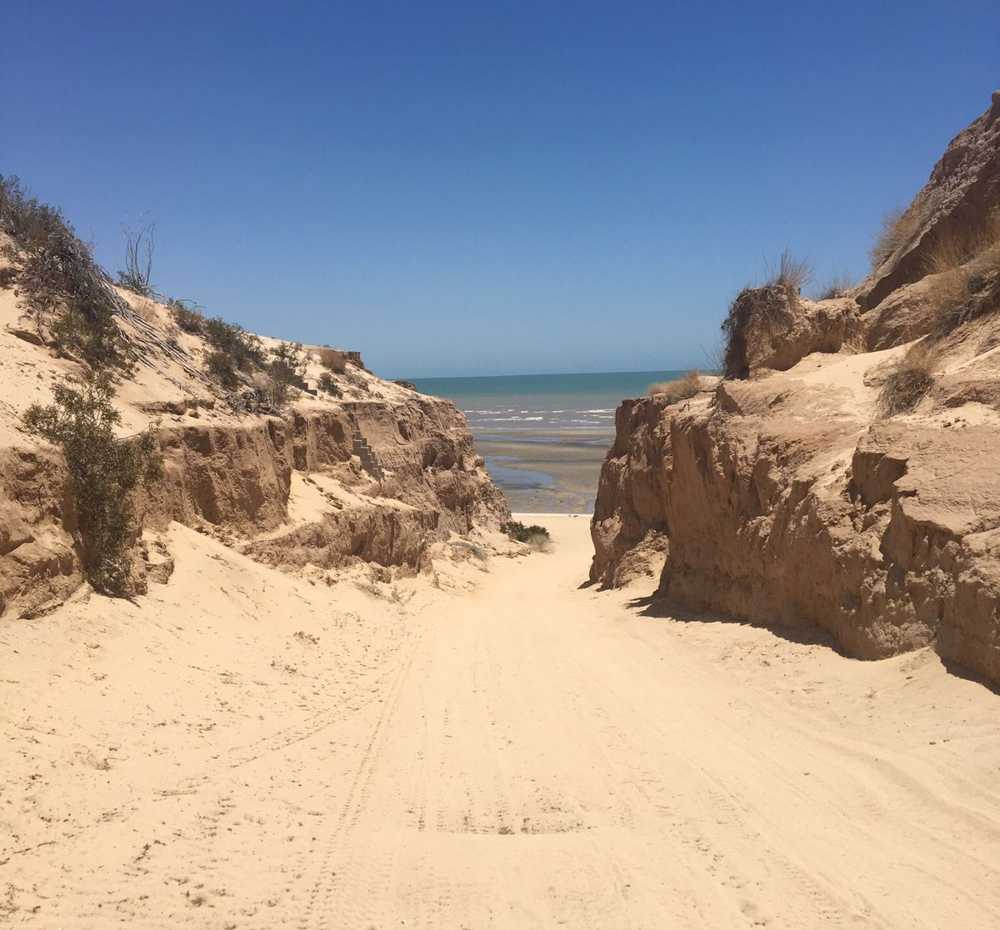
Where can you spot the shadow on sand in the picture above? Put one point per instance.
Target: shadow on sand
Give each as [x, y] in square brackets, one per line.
[658, 607]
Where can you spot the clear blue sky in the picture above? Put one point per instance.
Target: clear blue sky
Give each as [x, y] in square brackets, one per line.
[479, 188]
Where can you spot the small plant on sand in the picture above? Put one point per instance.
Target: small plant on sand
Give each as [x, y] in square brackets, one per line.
[535, 536]
[328, 384]
[677, 390]
[220, 366]
[188, 318]
[908, 382]
[286, 369]
[138, 262]
[235, 350]
[104, 471]
[61, 286]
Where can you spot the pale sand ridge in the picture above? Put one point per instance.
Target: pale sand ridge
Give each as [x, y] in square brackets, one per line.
[527, 754]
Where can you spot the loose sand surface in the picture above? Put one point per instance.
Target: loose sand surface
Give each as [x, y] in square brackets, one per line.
[244, 749]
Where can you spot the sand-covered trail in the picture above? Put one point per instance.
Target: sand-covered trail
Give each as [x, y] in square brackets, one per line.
[528, 754]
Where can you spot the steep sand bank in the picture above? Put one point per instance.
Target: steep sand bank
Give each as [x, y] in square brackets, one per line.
[241, 748]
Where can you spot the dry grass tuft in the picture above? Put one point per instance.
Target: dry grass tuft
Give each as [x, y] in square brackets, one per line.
[909, 381]
[962, 260]
[839, 286]
[792, 273]
[677, 390]
[899, 226]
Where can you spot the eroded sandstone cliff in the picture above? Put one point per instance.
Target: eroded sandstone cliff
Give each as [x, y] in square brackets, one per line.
[369, 470]
[789, 495]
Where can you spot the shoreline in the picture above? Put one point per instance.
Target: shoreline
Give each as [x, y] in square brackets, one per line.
[555, 471]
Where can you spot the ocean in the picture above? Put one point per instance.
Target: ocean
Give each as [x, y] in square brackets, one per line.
[544, 437]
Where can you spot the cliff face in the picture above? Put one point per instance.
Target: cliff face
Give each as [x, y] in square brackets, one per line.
[963, 190]
[375, 474]
[790, 496]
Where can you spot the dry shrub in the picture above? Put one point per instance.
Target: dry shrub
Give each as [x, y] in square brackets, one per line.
[220, 366]
[138, 269]
[328, 385]
[899, 226]
[234, 350]
[333, 360]
[190, 319]
[962, 261]
[60, 284]
[839, 286]
[677, 390]
[792, 273]
[908, 382]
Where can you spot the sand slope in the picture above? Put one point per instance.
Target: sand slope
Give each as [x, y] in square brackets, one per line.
[527, 754]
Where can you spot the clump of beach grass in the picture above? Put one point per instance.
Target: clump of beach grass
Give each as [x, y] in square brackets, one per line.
[792, 273]
[899, 226]
[677, 390]
[838, 286]
[908, 382]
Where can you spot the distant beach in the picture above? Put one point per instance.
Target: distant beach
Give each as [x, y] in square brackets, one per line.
[544, 437]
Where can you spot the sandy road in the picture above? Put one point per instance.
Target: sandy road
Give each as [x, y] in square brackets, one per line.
[526, 755]
[547, 758]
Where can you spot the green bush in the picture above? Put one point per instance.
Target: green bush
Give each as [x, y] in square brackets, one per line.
[60, 284]
[104, 470]
[242, 348]
[286, 369]
[535, 536]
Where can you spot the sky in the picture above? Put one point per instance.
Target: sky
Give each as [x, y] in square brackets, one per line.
[487, 188]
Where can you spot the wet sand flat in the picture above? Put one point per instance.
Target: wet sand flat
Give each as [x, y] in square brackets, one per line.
[550, 472]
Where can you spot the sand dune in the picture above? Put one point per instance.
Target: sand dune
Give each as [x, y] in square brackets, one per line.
[244, 749]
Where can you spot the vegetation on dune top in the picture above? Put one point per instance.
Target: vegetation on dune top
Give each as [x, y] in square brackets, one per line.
[63, 289]
[677, 390]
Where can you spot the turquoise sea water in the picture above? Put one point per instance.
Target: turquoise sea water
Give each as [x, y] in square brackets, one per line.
[544, 437]
[536, 405]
